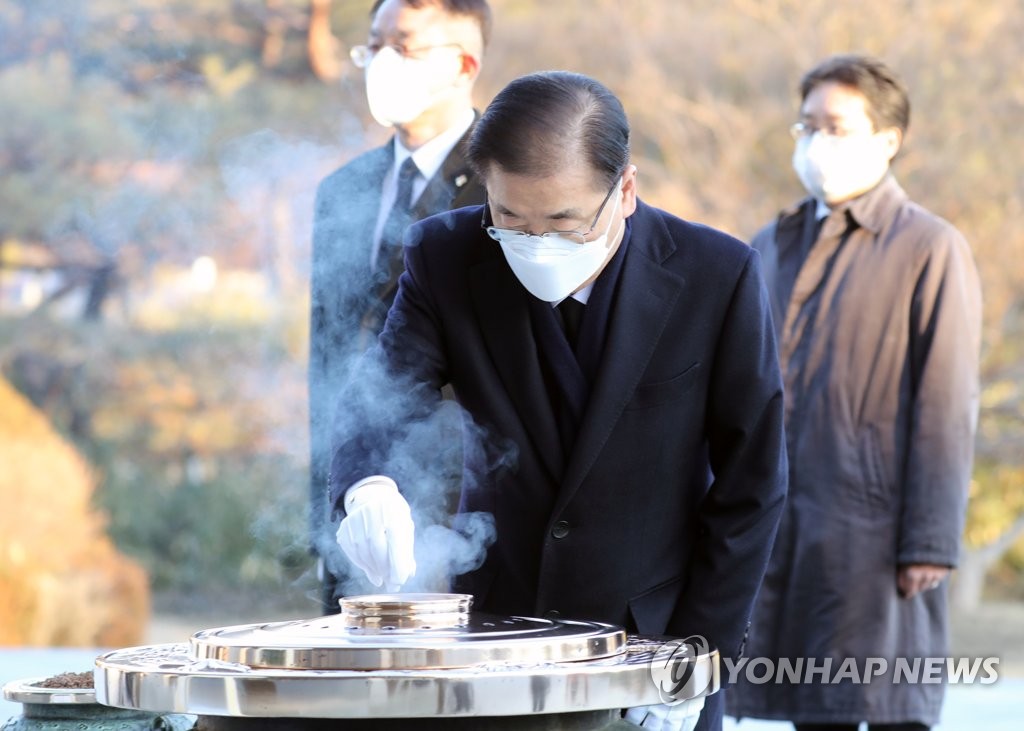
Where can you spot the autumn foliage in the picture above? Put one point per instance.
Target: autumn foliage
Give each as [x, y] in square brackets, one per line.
[62, 582]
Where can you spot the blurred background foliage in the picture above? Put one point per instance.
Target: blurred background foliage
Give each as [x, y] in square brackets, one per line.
[63, 581]
[159, 160]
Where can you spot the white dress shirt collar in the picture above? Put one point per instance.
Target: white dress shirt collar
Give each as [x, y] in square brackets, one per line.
[430, 156]
[582, 296]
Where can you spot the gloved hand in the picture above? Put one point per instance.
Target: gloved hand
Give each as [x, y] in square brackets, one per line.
[679, 717]
[377, 533]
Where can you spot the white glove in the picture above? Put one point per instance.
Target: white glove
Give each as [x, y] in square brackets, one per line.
[377, 533]
[679, 717]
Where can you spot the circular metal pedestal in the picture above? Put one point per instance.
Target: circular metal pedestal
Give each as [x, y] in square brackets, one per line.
[582, 721]
[168, 678]
[401, 661]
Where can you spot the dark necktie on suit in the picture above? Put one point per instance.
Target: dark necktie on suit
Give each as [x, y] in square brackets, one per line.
[389, 256]
[571, 310]
[571, 314]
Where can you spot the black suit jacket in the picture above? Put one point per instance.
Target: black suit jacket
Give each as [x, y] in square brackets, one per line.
[662, 516]
[348, 304]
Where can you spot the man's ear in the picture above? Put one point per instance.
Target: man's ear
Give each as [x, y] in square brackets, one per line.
[470, 66]
[893, 141]
[629, 191]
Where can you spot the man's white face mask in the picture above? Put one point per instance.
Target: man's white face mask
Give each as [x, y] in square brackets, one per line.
[554, 265]
[834, 169]
[399, 89]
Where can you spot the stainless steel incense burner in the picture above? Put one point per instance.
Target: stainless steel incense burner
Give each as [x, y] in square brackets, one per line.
[413, 657]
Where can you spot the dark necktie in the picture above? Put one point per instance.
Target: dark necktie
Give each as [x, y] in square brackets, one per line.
[389, 257]
[572, 315]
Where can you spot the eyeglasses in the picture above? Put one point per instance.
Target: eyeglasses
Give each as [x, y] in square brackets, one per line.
[576, 236]
[801, 130]
[362, 55]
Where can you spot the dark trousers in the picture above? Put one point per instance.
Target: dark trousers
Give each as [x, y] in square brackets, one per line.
[855, 726]
[328, 594]
[712, 715]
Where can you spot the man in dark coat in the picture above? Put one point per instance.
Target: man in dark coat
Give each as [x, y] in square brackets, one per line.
[421, 61]
[625, 360]
[877, 312]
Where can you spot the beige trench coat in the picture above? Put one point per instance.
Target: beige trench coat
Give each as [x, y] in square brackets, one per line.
[879, 339]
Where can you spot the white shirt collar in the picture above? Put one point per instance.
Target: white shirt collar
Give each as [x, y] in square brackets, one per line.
[430, 156]
[429, 159]
[582, 296]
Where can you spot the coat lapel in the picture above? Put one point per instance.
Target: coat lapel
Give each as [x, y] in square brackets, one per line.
[503, 305]
[358, 205]
[790, 229]
[647, 293]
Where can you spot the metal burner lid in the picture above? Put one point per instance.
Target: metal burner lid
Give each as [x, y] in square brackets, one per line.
[408, 632]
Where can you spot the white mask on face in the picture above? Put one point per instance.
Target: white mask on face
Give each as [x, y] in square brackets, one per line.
[400, 89]
[835, 169]
[552, 267]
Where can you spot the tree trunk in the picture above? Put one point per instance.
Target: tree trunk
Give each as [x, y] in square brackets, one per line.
[323, 48]
[966, 591]
[969, 582]
[274, 28]
[101, 285]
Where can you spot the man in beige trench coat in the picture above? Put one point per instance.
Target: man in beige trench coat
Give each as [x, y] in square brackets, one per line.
[877, 310]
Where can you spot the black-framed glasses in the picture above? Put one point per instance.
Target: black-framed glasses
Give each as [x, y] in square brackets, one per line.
[802, 130]
[362, 55]
[575, 235]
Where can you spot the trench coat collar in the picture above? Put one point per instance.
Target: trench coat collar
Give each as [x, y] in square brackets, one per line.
[875, 208]
[871, 210]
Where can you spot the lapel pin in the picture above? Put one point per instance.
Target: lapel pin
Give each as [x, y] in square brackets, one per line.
[460, 181]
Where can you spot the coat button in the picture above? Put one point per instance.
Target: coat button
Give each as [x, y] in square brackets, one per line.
[552, 614]
[560, 529]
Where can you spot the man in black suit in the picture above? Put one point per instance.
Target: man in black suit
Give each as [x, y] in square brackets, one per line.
[623, 357]
[421, 61]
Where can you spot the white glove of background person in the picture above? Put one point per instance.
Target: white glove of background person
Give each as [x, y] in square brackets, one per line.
[680, 717]
[377, 533]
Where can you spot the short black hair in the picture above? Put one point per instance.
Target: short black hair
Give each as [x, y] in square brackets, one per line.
[535, 121]
[479, 10]
[888, 101]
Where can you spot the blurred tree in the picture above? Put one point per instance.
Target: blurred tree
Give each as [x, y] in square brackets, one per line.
[75, 591]
[191, 461]
[112, 126]
[325, 56]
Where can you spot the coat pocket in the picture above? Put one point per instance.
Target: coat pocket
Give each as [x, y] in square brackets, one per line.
[652, 610]
[662, 392]
[877, 484]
